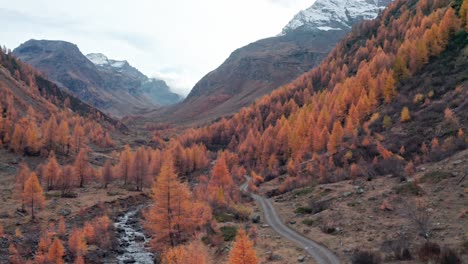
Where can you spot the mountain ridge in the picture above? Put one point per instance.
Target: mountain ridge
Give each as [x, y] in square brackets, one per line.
[118, 89]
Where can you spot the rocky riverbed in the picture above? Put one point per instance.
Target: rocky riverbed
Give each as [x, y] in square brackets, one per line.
[132, 241]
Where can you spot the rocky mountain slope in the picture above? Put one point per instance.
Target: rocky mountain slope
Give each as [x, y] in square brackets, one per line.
[27, 89]
[112, 86]
[260, 67]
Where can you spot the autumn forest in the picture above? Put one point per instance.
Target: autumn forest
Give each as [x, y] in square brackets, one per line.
[374, 135]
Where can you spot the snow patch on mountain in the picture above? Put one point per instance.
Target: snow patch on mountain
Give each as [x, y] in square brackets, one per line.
[328, 15]
[98, 58]
[101, 60]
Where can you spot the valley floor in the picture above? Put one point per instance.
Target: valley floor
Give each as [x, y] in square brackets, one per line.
[376, 215]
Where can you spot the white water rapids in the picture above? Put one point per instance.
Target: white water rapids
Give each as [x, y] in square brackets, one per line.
[132, 240]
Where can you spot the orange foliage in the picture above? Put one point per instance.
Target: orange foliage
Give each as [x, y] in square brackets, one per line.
[33, 194]
[15, 257]
[56, 252]
[301, 119]
[126, 164]
[221, 186]
[20, 182]
[82, 167]
[52, 172]
[405, 115]
[89, 232]
[175, 217]
[107, 173]
[193, 253]
[77, 243]
[242, 251]
[61, 228]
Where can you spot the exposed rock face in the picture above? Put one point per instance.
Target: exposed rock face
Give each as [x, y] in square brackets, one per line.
[112, 86]
[261, 67]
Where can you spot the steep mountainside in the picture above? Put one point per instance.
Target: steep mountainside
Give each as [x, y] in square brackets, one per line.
[259, 68]
[375, 106]
[112, 86]
[32, 107]
[29, 88]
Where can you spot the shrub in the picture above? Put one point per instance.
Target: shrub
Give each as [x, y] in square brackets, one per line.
[409, 188]
[303, 191]
[229, 232]
[435, 176]
[387, 121]
[429, 251]
[405, 115]
[308, 222]
[319, 206]
[303, 210]
[365, 257]
[449, 256]
[418, 98]
[392, 166]
[242, 212]
[328, 228]
[399, 248]
[223, 217]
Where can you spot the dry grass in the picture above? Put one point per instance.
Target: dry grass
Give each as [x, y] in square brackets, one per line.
[360, 223]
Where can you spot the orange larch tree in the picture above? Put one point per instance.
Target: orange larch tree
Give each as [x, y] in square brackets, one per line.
[77, 243]
[21, 178]
[33, 194]
[61, 227]
[221, 186]
[175, 217]
[405, 115]
[140, 168]
[107, 173]
[126, 164]
[65, 181]
[78, 140]
[193, 253]
[82, 167]
[63, 137]
[56, 252]
[243, 251]
[52, 172]
[50, 132]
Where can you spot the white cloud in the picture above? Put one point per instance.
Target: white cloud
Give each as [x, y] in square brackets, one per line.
[179, 40]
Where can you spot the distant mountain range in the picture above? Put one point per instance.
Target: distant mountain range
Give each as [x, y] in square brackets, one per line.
[112, 86]
[261, 67]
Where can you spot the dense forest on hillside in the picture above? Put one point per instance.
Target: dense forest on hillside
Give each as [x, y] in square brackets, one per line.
[390, 97]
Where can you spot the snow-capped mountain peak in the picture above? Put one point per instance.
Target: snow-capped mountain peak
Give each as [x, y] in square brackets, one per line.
[100, 59]
[328, 15]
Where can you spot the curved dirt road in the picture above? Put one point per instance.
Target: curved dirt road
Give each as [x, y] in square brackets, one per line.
[321, 254]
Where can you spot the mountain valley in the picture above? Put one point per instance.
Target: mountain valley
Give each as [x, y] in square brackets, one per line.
[343, 139]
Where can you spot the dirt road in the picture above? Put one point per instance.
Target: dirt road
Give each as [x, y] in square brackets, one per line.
[321, 254]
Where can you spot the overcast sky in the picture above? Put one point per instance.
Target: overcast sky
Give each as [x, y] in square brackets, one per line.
[176, 40]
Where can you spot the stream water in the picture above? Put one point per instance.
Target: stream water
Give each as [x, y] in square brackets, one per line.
[132, 240]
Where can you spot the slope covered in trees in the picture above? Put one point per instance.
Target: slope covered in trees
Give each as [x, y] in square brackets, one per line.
[342, 117]
[390, 96]
[38, 117]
